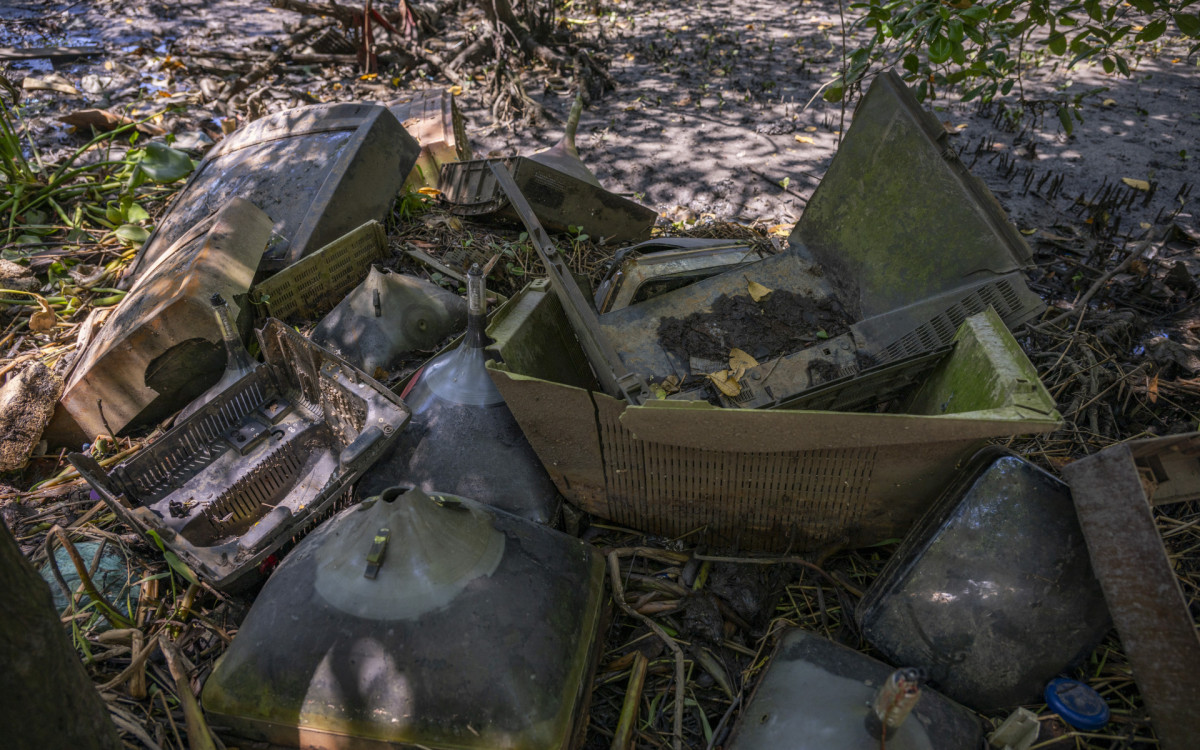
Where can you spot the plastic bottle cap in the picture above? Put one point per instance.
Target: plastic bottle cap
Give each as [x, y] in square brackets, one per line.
[1078, 705]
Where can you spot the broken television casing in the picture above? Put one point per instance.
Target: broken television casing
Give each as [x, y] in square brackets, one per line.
[258, 464]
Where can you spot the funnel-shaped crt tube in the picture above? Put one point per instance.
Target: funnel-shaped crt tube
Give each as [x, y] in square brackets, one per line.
[462, 438]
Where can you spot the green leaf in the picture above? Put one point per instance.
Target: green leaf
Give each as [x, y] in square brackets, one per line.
[1122, 66]
[177, 565]
[1057, 43]
[1093, 10]
[136, 213]
[1064, 116]
[1109, 65]
[1188, 23]
[834, 93]
[940, 50]
[1145, 6]
[955, 29]
[132, 234]
[163, 164]
[976, 13]
[911, 63]
[1153, 30]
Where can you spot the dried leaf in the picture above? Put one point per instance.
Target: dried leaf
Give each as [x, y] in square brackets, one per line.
[102, 119]
[803, 139]
[757, 291]
[724, 383]
[455, 90]
[1136, 184]
[1151, 388]
[431, 191]
[739, 358]
[43, 320]
[782, 230]
[1108, 102]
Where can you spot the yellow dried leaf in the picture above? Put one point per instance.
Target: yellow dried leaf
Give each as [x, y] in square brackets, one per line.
[1152, 390]
[1108, 102]
[44, 319]
[724, 383]
[1028, 232]
[782, 230]
[757, 291]
[1145, 225]
[455, 90]
[368, 77]
[741, 359]
[811, 129]
[803, 139]
[1136, 184]
[432, 191]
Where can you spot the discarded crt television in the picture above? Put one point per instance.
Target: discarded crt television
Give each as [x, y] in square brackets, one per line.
[414, 620]
[315, 284]
[562, 190]
[258, 464]
[1116, 493]
[758, 479]
[389, 315]
[463, 439]
[317, 171]
[655, 267]
[992, 591]
[433, 119]
[820, 695]
[161, 347]
[898, 245]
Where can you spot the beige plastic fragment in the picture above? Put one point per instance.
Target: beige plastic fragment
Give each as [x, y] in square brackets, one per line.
[26, 405]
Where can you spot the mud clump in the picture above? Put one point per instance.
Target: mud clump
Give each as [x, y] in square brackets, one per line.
[781, 323]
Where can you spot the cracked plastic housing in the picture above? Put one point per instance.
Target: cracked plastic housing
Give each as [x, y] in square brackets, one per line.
[412, 620]
[993, 590]
[161, 348]
[317, 171]
[257, 465]
[820, 695]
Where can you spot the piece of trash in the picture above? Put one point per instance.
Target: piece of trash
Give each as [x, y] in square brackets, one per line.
[564, 193]
[104, 121]
[238, 362]
[257, 465]
[1115, 492]
[317, 171]
[656, 267]
[387, 316]
[433, 119]
[993, 591]
[1077, 704]
[560, 200]
[161, 347]
[315, 284]
[52, 82]
[768, 480]
[564, 156]
[1017, 732]
[110, 576]
[17, 277]
[817, 693]
[856, 287]
[27, 401]
[463, 438]
[479, 630]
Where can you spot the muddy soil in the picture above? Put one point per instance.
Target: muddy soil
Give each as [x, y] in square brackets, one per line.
[780, 323]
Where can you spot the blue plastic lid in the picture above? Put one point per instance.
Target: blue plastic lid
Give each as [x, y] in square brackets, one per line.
[1077, 704]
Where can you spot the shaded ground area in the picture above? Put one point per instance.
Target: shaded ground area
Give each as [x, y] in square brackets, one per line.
[715, 117]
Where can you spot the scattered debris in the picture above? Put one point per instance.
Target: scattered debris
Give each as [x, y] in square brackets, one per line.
[161, 348]
[492, 629]
[432, 118]
[27, 402]
[1116, 493]
[463, 438]
[387, 316]
[259, 464]
[992, 591]
[819, 691]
